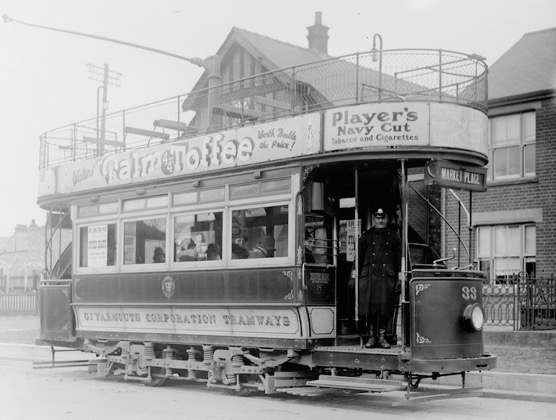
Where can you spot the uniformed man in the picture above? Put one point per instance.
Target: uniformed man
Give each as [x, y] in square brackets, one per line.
[379, 268]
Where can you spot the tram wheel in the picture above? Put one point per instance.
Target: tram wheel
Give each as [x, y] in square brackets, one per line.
[243, 392]
[158, 377]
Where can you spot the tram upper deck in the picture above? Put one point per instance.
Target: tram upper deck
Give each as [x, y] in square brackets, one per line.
[410, 100]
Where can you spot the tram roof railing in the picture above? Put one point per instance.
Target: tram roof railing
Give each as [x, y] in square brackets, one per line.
[370, 77]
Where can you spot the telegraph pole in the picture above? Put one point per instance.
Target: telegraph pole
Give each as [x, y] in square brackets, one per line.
[108, 77]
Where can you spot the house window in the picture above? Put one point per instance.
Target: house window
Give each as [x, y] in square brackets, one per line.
[512, 139]
[506, 251]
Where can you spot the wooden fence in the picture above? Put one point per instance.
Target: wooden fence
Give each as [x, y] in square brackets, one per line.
[19, 302]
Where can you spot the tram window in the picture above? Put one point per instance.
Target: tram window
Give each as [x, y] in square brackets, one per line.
[146, 203]
[198, 237]
[141, 240]
[108, 208]
[257, 189]
[87, 211]
[244, 191]
[318, 246]
[260, 232]
[96, 209]
[156, 202]
[215, 194]
[202, 196]
[97, 245]
[130, 205]
[275, 186]
[185, 198]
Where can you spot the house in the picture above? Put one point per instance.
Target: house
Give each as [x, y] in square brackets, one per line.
[244, 90]
[514, 221]
[22, 258]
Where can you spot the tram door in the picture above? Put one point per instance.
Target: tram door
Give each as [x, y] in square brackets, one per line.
[336, 213]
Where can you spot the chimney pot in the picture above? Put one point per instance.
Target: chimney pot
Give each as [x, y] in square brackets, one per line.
[318, 35]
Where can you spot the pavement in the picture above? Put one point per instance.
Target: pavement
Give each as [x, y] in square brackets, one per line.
[18, 333]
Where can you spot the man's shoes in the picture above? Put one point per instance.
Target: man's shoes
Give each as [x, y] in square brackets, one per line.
[371, 343]
[382, 343]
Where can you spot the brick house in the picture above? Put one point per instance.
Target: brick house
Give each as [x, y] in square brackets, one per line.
[514, 222]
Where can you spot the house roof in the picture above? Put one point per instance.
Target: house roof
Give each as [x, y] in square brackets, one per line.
[331, 81]
[271, 53]
[527, 67]
[279, 54]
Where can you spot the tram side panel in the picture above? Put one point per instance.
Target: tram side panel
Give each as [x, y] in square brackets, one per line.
[56, 318]
[258, 307]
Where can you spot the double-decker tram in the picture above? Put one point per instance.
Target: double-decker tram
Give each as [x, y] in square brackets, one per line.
[224, 249]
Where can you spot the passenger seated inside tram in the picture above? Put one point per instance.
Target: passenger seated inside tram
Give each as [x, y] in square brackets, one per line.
[201, 247]
[264, 249]
[188, 251]
[159, 255]
[238, 248]
[213, 252]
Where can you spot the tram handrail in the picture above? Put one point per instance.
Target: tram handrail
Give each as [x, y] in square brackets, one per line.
[435, 76]
[441, 215]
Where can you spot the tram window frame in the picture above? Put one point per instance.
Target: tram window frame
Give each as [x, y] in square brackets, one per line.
[270, 261]
[148, 264]
[199, 249]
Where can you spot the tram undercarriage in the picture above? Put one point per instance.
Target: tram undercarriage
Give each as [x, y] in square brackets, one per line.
[241, 371]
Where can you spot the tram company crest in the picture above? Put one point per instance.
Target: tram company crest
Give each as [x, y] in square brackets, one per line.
[168, 286]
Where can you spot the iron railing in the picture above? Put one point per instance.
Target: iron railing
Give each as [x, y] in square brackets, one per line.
[528, 303]
[376, 76]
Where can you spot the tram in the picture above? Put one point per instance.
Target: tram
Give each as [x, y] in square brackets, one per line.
[223, 248]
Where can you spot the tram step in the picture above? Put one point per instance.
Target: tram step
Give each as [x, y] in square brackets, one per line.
[360, 384]
[306, 391]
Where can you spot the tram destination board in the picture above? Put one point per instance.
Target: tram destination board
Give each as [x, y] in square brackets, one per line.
[451, 175]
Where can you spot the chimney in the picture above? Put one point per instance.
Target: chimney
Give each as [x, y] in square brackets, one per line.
[318, 35]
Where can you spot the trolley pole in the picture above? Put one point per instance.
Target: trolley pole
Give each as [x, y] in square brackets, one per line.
[211, 65]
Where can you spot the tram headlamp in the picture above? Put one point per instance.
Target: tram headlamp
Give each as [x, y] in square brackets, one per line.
[474, 317]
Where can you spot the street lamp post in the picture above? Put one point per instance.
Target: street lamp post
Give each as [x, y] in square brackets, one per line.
[374, 57]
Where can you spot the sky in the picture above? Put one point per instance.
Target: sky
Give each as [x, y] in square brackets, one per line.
[45, 81]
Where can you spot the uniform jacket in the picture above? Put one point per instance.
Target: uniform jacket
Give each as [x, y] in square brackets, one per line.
[380, 260]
